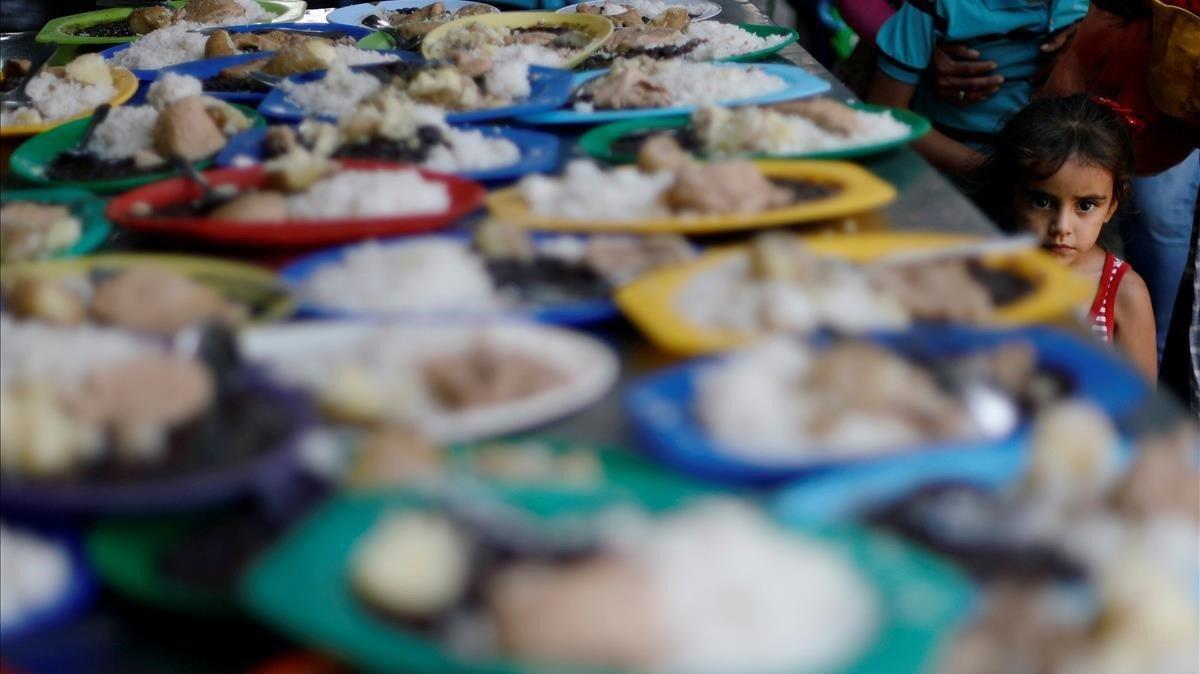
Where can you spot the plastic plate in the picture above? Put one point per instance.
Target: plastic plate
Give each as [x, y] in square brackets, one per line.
[799, 83]
[599, 142]
[123, 81]
[353, 15]
[697, 10]
[549, 88]
[597, 27]
[650, 301]
[539, 153]
[75, 597]
[61, 30]
[298, 273]
[465, 197]
[31, 160]
[858, 191]
[95, 228]
[662, 406]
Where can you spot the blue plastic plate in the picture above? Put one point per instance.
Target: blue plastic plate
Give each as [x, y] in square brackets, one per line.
[845, 495]
[81, 586]
[148, 74]
[352, 15]
[800, 83]
[549, 89]
[539, 152]
[296, 274]
[661, 406]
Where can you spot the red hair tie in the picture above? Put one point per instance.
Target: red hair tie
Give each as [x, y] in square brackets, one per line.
[1136, 124]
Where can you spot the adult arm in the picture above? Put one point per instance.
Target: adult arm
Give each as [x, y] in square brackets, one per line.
[1134, 331]
[946, 154]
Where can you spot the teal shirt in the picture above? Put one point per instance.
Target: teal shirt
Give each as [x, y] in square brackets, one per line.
[1008, 32]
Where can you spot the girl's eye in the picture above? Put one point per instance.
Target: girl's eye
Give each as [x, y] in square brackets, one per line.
[1040, 202]
[1086, 206]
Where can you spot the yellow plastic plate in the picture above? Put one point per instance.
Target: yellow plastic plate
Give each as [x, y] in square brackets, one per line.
[859, 191]
[650, 302]
[596, 26]
[123, 81]
[264, 295]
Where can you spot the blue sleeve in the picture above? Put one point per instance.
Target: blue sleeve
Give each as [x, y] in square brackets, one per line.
[906, 43]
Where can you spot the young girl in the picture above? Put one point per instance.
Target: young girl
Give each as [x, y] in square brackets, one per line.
[1060, 170]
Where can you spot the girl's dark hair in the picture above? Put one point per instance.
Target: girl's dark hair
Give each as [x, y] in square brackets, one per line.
[1039, 139]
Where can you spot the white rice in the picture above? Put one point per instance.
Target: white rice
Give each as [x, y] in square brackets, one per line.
[349, 55]
[739, 131]
[126, 131]
[755, 404]
[33, 352]
[370, 194]
[587, 192]
[163, 47]
[34, 573]
[529, 54]
[336, 94]
[508, 80]
[707, 84]
[472, 151]
[741, 610]
[255, 13]
[726, 296]
[654, 8]
[170, 87]
[430, 274]
[722, 40]
[56, 97]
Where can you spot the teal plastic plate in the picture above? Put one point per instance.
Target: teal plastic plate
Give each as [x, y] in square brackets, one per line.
[300, 588]
[62, 30]
[87, 207]
[599, 142]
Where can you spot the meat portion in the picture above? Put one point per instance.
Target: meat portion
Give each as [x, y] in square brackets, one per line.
[630, 40]
[941, 291]
[44, 299]
[141, 400]
[265, 206]
[473, 10]
[675, 18]
[301, 57]
[219, 44]
[591, 613]
[725, 187]
[146, 19]
[151, 299]
[626, 86]
[472, 64]
[29, 230]
[630, 18]
[1163, 479]
[211, 11]
[830, 115]
[186, 129]
[487, 375]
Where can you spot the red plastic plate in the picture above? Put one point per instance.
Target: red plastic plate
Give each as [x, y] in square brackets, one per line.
[465, 197]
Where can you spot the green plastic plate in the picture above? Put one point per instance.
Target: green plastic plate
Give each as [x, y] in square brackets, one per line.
[126, 553]
[762, 30]
[61, 30]
[85, 206]
[31, 159]
[300, 588]
[598, 142]
[380, 40]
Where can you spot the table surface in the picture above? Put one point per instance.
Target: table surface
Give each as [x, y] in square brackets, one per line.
[119, 636]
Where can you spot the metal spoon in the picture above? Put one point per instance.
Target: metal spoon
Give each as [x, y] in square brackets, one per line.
[80, 147]
[265, 78]
[17, 98]
[378, 23]
[211, 197]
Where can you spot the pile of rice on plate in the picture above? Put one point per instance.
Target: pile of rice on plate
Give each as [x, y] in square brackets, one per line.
[59, 94]
[685, 83]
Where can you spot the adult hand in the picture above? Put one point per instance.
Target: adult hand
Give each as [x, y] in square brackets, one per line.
[960, 77]
[1059, 40]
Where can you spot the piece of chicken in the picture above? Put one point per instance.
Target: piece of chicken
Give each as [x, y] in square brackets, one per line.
[210, 11]
[725, 187]
[830, 115]
[146, 19]
[630, 18]
[675, 18]
[301, 57]
[264, 206]
[626, 86]
[631, 40]
[151, 299]
[186, 129]
[219, 44]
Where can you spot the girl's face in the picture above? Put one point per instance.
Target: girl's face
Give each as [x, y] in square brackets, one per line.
[1067, 209]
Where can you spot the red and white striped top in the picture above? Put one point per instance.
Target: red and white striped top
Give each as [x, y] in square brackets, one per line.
[1103, 314]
